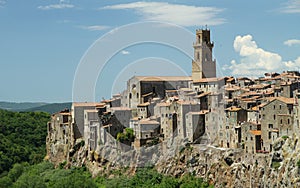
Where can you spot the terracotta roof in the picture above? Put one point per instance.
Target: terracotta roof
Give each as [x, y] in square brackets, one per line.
[259, 86]
[76, 104]
[185, 89]
[120, 109]
[135, 119]
[152, 122]
[171, 91]
[233, 109]
[232, 88]
[203, 94]
[92, 110]
[251, 93]
[230, 79]
[143, 104]
[255, 132]
[186, 102]
[208, 80]
[147, 94]
[163, 78]
[286, 100]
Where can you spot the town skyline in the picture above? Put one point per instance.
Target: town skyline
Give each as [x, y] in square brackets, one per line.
[43, 42]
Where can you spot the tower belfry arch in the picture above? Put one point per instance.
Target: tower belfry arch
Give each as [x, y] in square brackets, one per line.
[203, 65]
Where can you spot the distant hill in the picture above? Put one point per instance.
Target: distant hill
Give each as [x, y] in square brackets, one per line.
[50, 108]
[14, 106]
[35, 106]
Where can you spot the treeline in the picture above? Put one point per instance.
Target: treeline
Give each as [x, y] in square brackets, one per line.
[22, 138]
[44, 175]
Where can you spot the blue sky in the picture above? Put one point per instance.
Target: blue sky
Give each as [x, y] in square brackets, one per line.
[43, 41]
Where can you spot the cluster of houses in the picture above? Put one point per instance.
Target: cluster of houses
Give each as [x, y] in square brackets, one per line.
[225, 112]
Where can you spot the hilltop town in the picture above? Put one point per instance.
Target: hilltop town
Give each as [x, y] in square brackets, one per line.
[239, 114]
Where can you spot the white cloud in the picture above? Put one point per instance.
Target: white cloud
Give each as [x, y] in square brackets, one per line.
[124, 52]
[2, 3]
[95, 27]
[292, 6]
[291, 42]
[174, 13]
[56, 6]
[256, 61]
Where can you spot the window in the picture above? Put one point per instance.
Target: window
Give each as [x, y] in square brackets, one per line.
[274, 107]
[270, 135]
[270, 126]
[274, 116]
[288, 121]
[281, 121]
[251, 138]
[280, 106]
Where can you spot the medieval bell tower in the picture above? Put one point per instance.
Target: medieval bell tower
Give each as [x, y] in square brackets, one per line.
[203, 66]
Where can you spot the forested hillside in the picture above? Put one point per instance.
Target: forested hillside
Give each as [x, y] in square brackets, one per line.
[22, 138]
[44, 175]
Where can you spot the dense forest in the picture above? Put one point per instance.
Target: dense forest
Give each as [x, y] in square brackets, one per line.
[22, 150]
[22, 138]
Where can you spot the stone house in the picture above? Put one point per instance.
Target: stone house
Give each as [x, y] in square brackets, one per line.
[234, 117]
[91, 129]
[141, 89]
[146, 131]
[276, 120]
[77, 112]
[195, 126]
[60, 137]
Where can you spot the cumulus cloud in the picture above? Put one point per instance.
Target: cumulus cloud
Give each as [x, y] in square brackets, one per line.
[291, 42]
[184, 15]
[256, 61]
[94, 27]
[124, 52]
[292, 6]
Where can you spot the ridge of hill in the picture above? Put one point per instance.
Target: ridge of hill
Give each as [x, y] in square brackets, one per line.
[50, 108]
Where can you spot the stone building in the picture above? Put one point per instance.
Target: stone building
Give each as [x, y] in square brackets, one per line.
[146, 132]
[77, 112]
[276, 120]
[141, 89]
[195, 126]
[60, 138]
[91, 129]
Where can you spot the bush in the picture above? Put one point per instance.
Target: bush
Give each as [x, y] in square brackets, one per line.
[275, 165]
[285, 137]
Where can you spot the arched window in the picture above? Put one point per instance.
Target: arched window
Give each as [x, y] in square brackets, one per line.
[130, 95]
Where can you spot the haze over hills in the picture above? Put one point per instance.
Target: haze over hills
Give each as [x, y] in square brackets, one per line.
[34, 106]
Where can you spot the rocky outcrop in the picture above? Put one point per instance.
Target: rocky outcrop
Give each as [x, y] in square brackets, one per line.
[221, 167]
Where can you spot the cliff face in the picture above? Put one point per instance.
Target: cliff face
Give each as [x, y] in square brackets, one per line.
[221, 167]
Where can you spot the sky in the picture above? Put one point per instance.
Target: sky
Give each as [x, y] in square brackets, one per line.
[43, 42]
